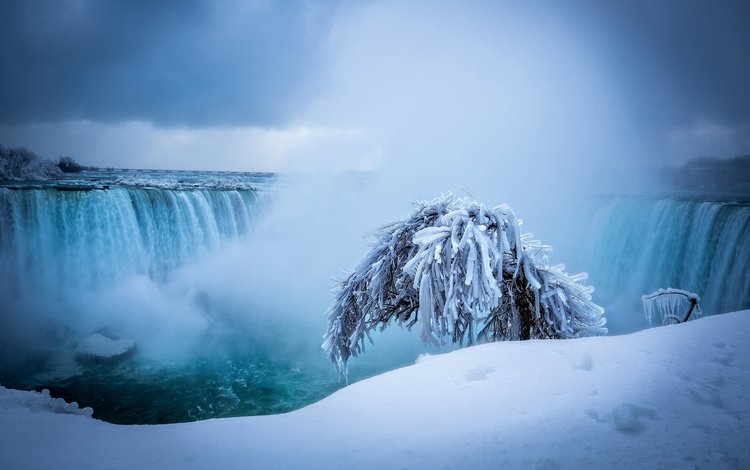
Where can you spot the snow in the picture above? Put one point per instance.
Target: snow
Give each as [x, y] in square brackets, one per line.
[224, 182]
[627, 417]
[98, 346]
[36, 401]
[18, 164]
[668, 397]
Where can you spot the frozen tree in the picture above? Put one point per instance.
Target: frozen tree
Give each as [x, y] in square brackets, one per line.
[459, 270]
[22, 164]
[68, 165]
[671, 306]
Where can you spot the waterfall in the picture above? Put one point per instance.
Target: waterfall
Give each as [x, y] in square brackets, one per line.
[60, 239]
[640, 244]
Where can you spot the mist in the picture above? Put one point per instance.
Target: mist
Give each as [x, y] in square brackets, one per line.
[506, 108]
[500, 104]
[508, 104]
[503, 104]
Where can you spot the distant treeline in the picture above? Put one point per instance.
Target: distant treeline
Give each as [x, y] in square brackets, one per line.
[709, 174]
[23, 164]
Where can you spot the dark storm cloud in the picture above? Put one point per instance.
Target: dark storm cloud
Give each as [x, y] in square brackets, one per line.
[680, 60]
[171, 63]
[259, 63]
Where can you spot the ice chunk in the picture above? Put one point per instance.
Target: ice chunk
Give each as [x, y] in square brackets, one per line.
[100, 347]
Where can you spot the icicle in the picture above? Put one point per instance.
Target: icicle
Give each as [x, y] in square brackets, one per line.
[425, 311]
[454, 236]
[579, 277]
[504, 239]
[529, 275]
[671, 305]
[470, 264]
[431, 234]
[438, 250]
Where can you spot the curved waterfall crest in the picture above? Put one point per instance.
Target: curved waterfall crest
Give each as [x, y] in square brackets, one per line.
[642, 244]
[85, 238]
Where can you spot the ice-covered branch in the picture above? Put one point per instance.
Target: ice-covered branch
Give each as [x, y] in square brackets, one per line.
[457, 269]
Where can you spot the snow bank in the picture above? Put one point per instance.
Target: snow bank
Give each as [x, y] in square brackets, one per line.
[39, 401]
[669, 397]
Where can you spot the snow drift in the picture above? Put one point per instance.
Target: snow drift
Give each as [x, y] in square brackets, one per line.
[669, 397]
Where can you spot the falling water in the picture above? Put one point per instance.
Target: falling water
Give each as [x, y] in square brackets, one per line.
[85, 239]
[640, 244]
[168, 259]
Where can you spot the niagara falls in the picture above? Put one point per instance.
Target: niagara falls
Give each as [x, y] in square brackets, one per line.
[381, 234]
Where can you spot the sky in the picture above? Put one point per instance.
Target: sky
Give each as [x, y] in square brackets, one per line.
[299, 85]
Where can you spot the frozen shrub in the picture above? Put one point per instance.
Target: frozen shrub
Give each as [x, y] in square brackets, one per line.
[22, 164]
[68, 165]
[459, 270]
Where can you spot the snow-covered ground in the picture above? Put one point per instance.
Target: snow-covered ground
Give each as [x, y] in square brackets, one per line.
[676, 396]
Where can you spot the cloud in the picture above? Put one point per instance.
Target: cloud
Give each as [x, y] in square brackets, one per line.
[138, 144]
[374, 81]
[709, 139]
[489, 98]
[196, 63]
[678, 60]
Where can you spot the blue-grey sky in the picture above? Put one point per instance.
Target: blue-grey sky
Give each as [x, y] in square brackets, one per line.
[171, 63]
[265, 84]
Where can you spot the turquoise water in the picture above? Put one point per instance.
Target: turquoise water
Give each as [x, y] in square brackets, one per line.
[231, 382]
[67, 245]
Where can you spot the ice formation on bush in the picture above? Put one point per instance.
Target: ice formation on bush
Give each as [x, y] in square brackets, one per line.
[22, 164]
[459, 270]
[671, 306]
